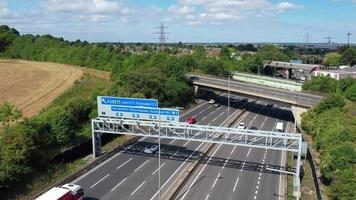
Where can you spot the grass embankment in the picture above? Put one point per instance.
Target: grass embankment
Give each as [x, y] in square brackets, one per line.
[86, 88]
[307, 184]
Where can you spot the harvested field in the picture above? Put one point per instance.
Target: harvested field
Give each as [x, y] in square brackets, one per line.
[31, 86]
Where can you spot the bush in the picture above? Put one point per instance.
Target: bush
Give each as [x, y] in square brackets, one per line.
[350, 92]
[331, 101]
[62, 127]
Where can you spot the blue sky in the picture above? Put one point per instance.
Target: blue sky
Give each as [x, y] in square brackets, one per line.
[187, 20]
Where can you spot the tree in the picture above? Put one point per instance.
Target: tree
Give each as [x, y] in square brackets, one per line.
[332, 59]
[16, 149]
[8, 113]
[350, 93]
[62, 126]
[7, 35]
[271, 52]
[349, 56]
[331, 101]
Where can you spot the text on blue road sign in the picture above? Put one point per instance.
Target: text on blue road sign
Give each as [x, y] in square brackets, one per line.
[123, 101]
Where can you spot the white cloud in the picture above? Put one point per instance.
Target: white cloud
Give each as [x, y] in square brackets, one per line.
[218, 11]
[281, 7]
[181, 10]
[89, 6]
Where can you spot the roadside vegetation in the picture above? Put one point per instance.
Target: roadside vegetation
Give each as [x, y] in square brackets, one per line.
[332, 125]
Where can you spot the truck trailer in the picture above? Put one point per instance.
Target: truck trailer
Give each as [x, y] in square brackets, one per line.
[65, 192]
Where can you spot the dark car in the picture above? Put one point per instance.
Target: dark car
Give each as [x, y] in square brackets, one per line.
[253, 128]
[191, 120]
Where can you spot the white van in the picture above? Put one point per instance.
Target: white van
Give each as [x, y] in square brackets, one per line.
[279, 127]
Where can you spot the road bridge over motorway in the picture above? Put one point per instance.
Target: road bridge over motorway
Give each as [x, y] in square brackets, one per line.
[299, 101]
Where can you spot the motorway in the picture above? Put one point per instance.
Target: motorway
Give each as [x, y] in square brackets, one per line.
[259, 91]
[131, 174]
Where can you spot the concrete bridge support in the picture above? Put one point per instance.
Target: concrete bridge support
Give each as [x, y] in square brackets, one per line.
[297, 113]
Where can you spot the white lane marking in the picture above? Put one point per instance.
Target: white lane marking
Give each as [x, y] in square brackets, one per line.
[158, 168]
[215, 119]
[186, 143]
[280, 176]
[237, 180]
[141, 165]
[233, 150]
[248, 153]
[215, 181]
[108, 160]
[204, 118]
[201, 112]
[207, 197]
[118, 184]
[99, 181]
[172, 141]
[124, 163]
[221, 114]
[178, 169]
[191, 185]
[242, 168]
[138, 188]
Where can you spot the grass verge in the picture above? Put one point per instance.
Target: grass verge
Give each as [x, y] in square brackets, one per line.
[307, 185]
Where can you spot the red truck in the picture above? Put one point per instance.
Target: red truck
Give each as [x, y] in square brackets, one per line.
[66, 192]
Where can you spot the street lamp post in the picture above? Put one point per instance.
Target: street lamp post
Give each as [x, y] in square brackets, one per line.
[159, 156]
[228, 97]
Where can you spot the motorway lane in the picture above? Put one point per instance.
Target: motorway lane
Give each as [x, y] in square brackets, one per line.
[206, 174]
[100, 182]
[228, 180]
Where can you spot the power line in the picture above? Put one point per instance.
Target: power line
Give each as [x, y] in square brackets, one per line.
[161, 35]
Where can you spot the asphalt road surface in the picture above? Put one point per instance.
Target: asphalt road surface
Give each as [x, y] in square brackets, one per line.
[132, 174]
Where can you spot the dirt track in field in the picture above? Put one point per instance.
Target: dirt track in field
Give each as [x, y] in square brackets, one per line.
[31, 86]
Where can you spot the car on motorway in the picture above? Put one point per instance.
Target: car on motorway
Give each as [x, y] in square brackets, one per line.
[191, 120]
[241, 126]
[216, 105]
[151, 149]
[234, 99]
[245, 99]
[253, 128]
[211, 101]
[270, 105]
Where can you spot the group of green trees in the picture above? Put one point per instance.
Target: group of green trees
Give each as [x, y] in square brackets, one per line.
[345, 56]
[332, 124]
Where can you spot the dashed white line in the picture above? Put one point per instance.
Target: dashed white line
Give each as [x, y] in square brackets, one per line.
[248, 153]
[237, 180]
[178, 169]
[233, 150]
[215, 181]
[138, 188]
[124, 163]
[99, 181]
[141, 165]
[207, 197]
[242, 168]
[191, 185]
[158, 168]
[118, 184]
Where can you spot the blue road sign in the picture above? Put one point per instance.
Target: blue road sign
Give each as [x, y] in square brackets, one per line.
[123, 101]
[130, 108]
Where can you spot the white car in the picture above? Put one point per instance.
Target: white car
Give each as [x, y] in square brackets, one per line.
[211, 101]
[241, 126]
[151, 149]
